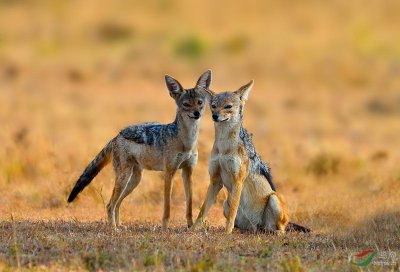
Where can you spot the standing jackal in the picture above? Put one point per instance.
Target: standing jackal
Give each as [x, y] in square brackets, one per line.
[252, 202]
[154, 146]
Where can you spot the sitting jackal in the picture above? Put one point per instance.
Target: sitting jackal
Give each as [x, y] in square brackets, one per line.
[252, 202]
[154, 146]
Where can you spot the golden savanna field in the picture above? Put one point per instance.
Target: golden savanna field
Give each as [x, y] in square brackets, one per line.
[324, 113]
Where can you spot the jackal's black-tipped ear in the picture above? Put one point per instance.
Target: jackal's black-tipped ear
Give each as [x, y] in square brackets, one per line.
[244, 91]
[174, 87]
[204, 80]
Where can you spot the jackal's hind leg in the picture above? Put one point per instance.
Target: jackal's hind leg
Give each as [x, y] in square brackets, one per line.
[130, 186]
[275, 215]
[126, 181]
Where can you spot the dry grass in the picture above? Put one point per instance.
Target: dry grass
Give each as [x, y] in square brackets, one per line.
[324, 113]
[143, 245]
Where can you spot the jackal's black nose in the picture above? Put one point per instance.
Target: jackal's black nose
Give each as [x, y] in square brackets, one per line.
[215, 117]
[196, 114]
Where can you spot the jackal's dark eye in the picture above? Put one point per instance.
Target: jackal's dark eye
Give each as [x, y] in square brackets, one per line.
[200, 102]
[213, 106]
[228, 106]
[185, 104]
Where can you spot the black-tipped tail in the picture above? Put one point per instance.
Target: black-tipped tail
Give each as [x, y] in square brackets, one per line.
[295, 227]
[101, 160]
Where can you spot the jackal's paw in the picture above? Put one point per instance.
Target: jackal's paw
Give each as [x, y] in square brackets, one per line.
[197, 226]
[112, 226]
[115, 229]
[165, 225]
[122, 227]
[189, 223]
[228, 231]
[229, 228]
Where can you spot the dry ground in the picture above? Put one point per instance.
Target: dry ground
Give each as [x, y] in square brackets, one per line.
[324, 112]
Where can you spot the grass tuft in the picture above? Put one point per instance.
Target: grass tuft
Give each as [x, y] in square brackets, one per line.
[324, 164]
[191, 47]
[111, 32]
[292, 265]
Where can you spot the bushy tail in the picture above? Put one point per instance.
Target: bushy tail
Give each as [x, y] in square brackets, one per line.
[295, 227]
[101, 160]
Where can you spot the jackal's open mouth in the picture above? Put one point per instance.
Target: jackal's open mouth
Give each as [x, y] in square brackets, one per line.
[220, 121]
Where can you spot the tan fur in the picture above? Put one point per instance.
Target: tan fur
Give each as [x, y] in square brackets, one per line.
[251, 202]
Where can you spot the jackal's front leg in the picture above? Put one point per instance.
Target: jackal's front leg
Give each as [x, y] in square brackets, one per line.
[238, 170]
[168, 176]
[187, 183]
[234, 205]
[212, 192]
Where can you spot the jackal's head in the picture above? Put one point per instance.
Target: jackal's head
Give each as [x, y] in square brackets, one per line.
[191, 102]
[228, 106]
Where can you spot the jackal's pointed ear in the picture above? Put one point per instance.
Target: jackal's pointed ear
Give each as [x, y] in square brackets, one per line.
[174, 87]
[204, 80]
[244, 91]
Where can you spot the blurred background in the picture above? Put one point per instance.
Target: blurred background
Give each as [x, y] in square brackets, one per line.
[324, 110]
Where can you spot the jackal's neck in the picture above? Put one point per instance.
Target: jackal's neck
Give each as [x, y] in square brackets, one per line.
[188, 130]
[227, 134]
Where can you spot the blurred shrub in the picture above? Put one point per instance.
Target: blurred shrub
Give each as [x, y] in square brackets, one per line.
[384, 105]
[324, 164]
[236, 45]
[75, 75]
[113, 32]
[9, 71]
[379, 155]
[10, 2]
[48, 48]
[191, 47]
[12, 169]
[378, 107]
[52, 200]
